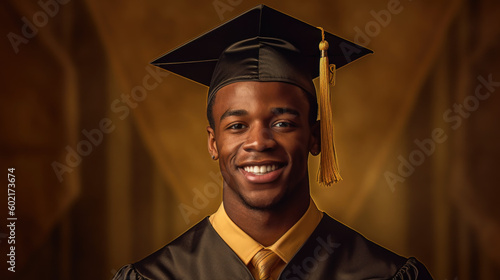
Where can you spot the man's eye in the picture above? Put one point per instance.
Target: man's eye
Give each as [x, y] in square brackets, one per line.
[283, 124]
[237, 126]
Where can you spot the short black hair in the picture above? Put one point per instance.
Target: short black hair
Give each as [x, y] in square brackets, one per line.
[313, 109]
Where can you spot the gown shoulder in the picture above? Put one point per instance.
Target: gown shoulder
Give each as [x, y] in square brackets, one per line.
[128, 272]
[412, 270]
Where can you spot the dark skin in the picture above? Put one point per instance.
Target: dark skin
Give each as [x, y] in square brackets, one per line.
[262, 138]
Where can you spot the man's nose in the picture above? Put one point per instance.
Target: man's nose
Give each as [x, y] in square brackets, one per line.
[260, 138]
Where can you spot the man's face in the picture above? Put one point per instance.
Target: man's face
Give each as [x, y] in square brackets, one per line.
[262, 138]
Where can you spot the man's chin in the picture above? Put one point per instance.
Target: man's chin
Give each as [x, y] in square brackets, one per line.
[264, 203]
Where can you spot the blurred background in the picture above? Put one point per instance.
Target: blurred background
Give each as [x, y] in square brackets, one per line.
[110, 154]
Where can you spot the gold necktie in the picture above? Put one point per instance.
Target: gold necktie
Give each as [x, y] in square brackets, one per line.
[264, 261]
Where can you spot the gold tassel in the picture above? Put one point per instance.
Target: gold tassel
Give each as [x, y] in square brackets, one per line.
[329, 170]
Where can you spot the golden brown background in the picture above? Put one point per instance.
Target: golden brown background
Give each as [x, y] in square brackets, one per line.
[123, 199]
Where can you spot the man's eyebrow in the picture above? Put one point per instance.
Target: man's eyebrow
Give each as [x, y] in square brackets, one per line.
[228, 113]
[280, 111]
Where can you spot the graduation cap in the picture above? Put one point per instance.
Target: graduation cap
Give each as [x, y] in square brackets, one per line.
[264, 44]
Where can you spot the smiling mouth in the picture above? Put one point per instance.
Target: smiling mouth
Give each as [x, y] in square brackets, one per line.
[262, 173]
[260, 169]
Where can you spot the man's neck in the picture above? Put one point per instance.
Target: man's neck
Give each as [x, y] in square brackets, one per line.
[267, 226]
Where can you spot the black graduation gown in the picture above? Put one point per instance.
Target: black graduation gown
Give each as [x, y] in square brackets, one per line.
[333, 251]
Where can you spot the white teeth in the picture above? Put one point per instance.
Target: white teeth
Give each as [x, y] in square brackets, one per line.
[263, 169]
[260, 170]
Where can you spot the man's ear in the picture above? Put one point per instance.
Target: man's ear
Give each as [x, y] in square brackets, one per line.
[315, 140]
[212, 145]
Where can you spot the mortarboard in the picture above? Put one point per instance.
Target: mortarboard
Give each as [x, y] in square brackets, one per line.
[264, 44]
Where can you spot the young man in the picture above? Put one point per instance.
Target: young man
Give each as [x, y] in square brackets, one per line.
[262, 112]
